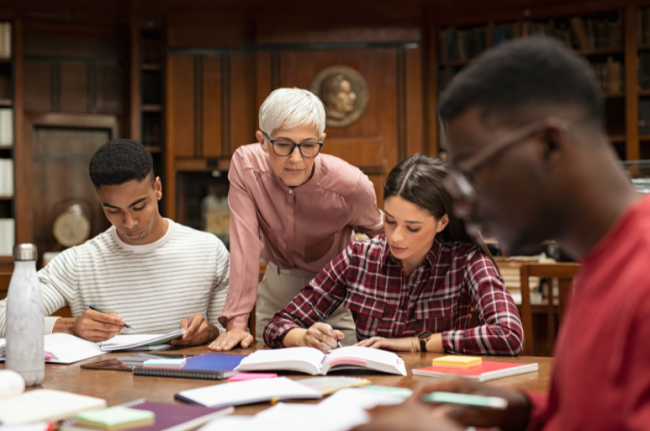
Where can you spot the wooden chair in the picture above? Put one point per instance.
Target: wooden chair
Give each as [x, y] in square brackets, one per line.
[564, 273]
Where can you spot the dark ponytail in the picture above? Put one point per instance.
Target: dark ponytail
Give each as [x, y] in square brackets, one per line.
[420, 179]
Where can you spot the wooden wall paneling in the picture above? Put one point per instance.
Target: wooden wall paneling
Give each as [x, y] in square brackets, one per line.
[632, 148]
[134, 78]
[212, 106]
[180, 107]
[73, 88]
[198, 97]
[244, 112]
[37, 91]
[414, 102]
[179, 124]
[109, 89]
[262, 77]
[430, 90]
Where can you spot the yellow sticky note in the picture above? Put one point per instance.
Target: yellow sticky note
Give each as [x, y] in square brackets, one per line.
[457, 361]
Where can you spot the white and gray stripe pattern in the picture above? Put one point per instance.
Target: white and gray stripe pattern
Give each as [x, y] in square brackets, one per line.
[153, 287]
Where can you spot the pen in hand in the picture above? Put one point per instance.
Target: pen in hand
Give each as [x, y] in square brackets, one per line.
[92, 307]
[322, 319]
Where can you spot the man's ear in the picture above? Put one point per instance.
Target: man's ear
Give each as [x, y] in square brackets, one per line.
[157, 186]
[442, 223]
[553, 137]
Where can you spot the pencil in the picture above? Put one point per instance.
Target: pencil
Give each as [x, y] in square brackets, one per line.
[322, 319]
[92, 307]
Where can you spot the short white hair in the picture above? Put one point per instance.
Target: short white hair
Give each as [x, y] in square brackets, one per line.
[286, 108]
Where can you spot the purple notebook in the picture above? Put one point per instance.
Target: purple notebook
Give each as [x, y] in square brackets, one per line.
[212, 366]
[179, 417]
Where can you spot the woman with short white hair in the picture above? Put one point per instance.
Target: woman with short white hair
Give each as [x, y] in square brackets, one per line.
[292, 206]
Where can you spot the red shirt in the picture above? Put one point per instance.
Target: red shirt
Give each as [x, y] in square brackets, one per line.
[601, 376]
[437, 296]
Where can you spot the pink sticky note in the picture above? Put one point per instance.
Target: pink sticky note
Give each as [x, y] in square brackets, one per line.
[251, 376]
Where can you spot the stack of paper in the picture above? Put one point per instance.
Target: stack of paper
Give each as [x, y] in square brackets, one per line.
[342, 411]
[45, 404]
[248, 392]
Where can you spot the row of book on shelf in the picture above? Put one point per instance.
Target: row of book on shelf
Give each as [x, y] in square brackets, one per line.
[609, 74]
[644, 116]
[5, 40]
[577, 33]
[643, 26]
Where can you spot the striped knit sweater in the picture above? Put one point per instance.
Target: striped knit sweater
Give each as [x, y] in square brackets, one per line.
[153, 286]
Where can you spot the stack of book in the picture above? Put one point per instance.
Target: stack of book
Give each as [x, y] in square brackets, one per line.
[7, 236]
[6, 177]
[5, 40]
[611, 75]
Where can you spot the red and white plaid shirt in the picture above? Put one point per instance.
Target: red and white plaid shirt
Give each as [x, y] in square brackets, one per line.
[437, 296]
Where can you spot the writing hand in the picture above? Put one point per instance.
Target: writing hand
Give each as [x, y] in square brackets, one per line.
[92, 325]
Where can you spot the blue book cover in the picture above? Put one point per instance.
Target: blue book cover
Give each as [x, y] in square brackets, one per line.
[211, 366]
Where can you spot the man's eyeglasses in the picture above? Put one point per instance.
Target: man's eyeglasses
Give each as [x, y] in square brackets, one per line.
[459, 182]
[284, 147]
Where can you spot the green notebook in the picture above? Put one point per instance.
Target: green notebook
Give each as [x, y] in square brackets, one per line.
[116, 418]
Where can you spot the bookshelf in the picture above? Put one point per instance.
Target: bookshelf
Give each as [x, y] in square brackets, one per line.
[147, 98]
[7, 141]
[601, 37]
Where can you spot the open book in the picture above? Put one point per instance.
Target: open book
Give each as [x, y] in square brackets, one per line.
[140, 341]
[65, 349]
[313, 361]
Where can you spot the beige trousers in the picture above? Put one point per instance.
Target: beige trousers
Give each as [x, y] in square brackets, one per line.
[278, 288]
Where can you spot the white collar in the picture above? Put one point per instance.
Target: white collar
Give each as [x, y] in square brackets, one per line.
[146, 248]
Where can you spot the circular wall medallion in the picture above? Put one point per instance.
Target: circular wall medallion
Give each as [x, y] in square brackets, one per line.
[344, 93]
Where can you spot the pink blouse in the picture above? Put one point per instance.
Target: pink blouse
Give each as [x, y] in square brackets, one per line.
[302, 227]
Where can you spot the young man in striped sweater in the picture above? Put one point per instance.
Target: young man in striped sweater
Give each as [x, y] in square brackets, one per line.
[155, 274]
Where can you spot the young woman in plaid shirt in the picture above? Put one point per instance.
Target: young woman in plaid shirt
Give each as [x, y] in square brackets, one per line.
[412, 289]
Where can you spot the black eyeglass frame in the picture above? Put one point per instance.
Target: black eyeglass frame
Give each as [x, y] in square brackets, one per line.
[273, 141]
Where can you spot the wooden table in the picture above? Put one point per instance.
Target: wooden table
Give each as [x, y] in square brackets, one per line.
[118, 387]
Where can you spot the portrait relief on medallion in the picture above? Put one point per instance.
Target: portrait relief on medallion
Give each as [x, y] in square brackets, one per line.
[344, 93]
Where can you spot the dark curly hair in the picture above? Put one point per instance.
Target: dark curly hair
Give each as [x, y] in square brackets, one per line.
[120, 161]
